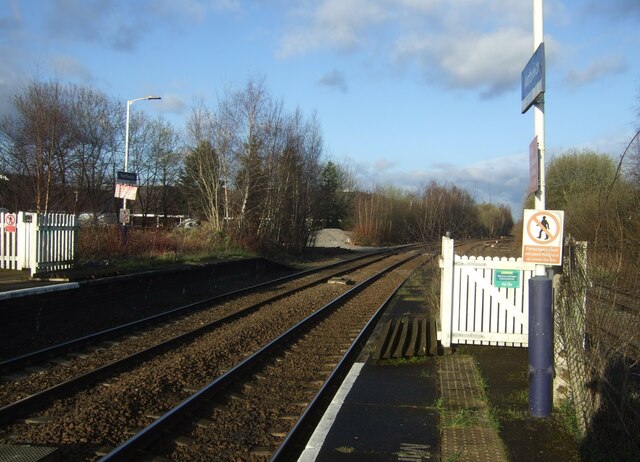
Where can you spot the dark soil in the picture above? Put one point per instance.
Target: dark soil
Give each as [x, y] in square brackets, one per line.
[526, 438]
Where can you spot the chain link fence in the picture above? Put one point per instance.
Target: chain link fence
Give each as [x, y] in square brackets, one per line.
[597, 341]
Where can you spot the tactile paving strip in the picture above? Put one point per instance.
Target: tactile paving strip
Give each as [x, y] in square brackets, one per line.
[466, 433]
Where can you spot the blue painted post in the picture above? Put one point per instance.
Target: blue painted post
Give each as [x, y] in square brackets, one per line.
[540, 347]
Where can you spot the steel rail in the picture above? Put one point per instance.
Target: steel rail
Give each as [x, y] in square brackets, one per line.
[35, 401]
[129, 449]
[107, 334]
[296, 439]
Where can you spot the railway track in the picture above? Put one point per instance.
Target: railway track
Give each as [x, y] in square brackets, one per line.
[614, 315]
[619, 299]
[120, 397]
[110, 333]
[82, 361]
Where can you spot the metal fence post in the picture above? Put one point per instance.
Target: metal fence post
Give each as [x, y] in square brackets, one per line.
[446, 289]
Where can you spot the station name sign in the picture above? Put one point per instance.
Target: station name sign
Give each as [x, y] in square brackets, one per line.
[533, 79]
[126, 185]
[129, 178]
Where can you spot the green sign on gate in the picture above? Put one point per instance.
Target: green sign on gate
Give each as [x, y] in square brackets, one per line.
[508, 279]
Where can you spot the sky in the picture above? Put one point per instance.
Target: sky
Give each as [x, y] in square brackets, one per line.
[406, 91]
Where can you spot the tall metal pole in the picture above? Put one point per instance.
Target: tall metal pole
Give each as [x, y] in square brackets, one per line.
[540, 351]
[126, 154]
[126, 147]
[538, 114]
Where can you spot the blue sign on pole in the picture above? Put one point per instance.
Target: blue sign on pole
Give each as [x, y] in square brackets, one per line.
[127, 178]
[533, 79]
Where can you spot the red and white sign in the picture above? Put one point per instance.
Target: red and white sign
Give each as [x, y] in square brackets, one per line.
[10, 223]
[542, 236]
[126, 191]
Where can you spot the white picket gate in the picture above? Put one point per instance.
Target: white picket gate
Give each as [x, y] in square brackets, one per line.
[40, 242]
[473, 310]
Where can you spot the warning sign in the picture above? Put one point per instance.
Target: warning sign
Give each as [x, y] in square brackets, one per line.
[125, 216]
[542, 237]
[10, 223]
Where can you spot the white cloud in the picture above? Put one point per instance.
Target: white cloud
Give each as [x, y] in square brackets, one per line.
[468, 44]
[478, 45]
[615, 10]
[123, 24]
[500, 180]
[334, 24]
[172, 103]
[70, 67]
[194, 10]
[118, 24]
[335, 79]
[491, 61]
[600, 67]
[383, 165]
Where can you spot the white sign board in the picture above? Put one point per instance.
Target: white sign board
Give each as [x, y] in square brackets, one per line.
[542, 236]
[126, 191]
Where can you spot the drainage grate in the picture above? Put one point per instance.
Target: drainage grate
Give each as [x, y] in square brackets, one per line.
[407, 336]
[27, 453]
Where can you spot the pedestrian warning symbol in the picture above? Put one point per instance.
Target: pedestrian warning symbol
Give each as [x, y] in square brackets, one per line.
[542, 237]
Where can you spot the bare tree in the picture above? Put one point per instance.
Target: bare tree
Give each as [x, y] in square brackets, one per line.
[61, 142]
[206, 169]
[154, 154]
[494, 220]
[251, 108]
[96, 125]
[254, 167]
[36, 140]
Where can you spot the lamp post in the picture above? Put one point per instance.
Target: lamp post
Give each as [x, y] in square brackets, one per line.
[126, 155]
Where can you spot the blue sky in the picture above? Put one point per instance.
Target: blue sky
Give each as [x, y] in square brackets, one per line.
[406, 90]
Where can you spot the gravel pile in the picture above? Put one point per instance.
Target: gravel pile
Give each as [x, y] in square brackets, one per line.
[333, 237]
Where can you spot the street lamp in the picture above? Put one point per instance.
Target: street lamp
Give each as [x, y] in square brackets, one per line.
[126, 136]
[126, 151]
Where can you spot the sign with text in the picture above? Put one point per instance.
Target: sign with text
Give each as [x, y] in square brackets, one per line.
[125, 216]
[507, 279]
[127, 178]
[10, 223]
[533, 79]
[126, 191]
[542, 237]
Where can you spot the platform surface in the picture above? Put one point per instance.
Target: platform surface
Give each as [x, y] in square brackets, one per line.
[418, 409]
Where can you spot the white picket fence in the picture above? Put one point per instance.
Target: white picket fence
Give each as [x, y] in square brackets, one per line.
[40, 242]
[473, 310]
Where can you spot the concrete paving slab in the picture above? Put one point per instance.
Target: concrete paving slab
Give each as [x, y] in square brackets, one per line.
[388, 415]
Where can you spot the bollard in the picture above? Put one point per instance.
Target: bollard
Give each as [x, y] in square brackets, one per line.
[540, 346]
